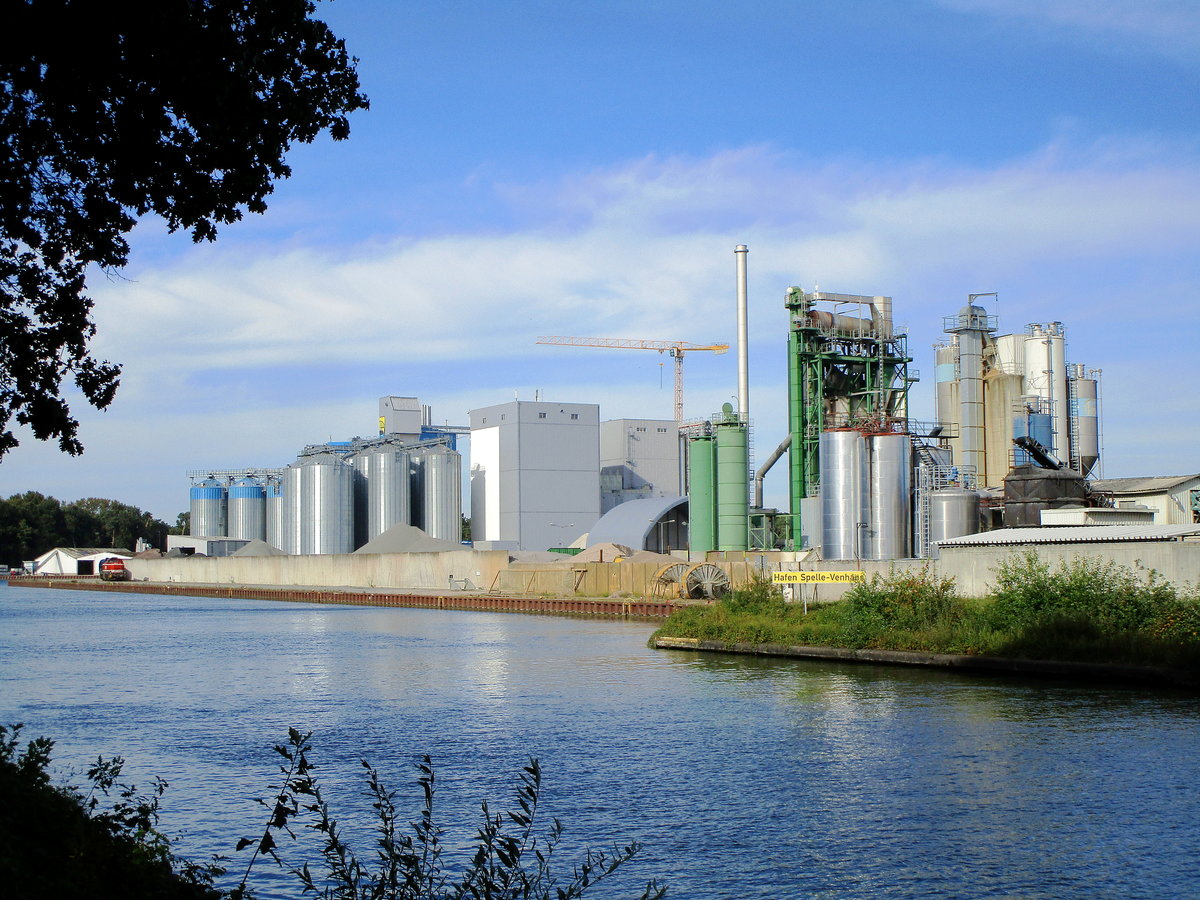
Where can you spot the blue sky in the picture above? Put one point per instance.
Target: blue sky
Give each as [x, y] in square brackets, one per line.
[587, 169]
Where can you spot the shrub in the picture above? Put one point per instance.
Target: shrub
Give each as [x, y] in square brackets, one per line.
[759, 597]
[908, 601]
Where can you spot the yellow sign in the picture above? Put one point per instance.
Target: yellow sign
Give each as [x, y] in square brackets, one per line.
[382, 425]
[818, 577]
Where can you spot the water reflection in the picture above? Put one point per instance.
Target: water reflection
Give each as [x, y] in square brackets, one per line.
[743, 777]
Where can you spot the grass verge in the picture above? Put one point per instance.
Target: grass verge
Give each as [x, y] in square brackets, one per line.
[1082, 611]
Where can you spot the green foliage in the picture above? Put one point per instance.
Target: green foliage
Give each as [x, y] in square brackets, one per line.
[759, 597]
[59, 842]
[111, 112]
[31, 524]
[904, 601]
[1085, 610]
[509, 860]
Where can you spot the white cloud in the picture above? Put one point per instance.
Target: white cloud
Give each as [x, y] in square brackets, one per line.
[1096, 236]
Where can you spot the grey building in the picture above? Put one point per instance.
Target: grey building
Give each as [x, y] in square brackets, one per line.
[535, 473]
[639, 459]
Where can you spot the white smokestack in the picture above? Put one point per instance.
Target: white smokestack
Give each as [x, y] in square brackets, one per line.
[743, 347]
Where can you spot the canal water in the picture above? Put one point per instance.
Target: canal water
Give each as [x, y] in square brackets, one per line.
[741, 778]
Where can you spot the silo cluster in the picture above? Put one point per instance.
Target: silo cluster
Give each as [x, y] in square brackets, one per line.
[336, 499]
[866, 495]
[718, 479]
[992, 389]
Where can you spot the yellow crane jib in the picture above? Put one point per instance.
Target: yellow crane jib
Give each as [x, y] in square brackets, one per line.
[676, 349]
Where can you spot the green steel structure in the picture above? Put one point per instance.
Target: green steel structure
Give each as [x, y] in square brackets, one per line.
[847, 368]
[702, 507]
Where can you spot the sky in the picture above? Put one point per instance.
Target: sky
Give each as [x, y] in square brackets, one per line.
[587, 169]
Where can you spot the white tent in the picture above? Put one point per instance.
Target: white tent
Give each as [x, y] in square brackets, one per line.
[75, 560]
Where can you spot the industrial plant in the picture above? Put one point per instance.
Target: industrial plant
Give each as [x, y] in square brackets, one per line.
[1014, 442]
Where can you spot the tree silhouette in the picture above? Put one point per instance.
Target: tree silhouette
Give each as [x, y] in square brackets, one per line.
[112, 111]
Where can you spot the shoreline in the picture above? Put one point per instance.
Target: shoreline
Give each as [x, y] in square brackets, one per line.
[1157, 676]
[629, 607]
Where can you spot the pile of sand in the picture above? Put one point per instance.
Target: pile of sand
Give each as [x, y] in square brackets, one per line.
[408, 539]
[258, 548]
[606, 552]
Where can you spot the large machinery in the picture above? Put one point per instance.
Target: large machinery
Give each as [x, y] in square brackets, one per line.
[847, 369]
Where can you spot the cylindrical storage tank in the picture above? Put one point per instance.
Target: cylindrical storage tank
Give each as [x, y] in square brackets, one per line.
[360, 462]
[702, 504]
[291, 491]
[733, 487]
[247, 510]
[953, 512]
[890, 520]
[274, 514]
[1087, 423]
[208, 508]
[326, 504]
[946, 397]
[439, 474]
[1046, 376]
[1037, 425]
[844, 490]
[387, 490]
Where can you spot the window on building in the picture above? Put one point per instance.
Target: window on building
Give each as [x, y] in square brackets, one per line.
[574, 415]
[662, 431]
[640, 428]
[541, 415]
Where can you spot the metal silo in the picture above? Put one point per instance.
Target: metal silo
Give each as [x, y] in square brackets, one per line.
[702, 504]
[326, 504]
[890, 519]
[208, 508]
[733, 486]
[274, 514]
[844, 491]
[1046, 376]
[439, 474]
[387, 490]
[953, 512]
[291, 509]
[361, 462]
[946, 374]
[247, 510]
[1084, 391]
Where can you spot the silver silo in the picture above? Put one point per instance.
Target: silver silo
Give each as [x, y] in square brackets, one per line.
[360, 462]
[953, 512]
[247, 510]
[1084, 390]
[890, 520]
[274, 514]
[438, 472]
[843, 494]
[208, 508]
[291, 509]
[326, 504]
[387, 490]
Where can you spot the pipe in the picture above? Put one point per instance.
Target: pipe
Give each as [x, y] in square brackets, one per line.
[743, 349]
[766, 467]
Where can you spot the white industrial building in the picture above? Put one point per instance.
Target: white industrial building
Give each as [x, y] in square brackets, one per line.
[1175, 499]
[639, 459]
[535, 473]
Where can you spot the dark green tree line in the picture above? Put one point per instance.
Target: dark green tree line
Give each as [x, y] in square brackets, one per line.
[183, 109]
[32, 523]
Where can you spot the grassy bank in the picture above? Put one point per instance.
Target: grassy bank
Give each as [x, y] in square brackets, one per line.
[1085, 611]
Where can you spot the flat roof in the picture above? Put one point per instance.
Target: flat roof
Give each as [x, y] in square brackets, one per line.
[1150, 485]
[1074, 534]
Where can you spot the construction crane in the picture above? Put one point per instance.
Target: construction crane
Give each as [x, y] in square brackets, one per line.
[675, 348]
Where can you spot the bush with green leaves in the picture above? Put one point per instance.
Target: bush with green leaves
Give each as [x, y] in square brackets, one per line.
[58, 841]
[509, 859]
[906, 601]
